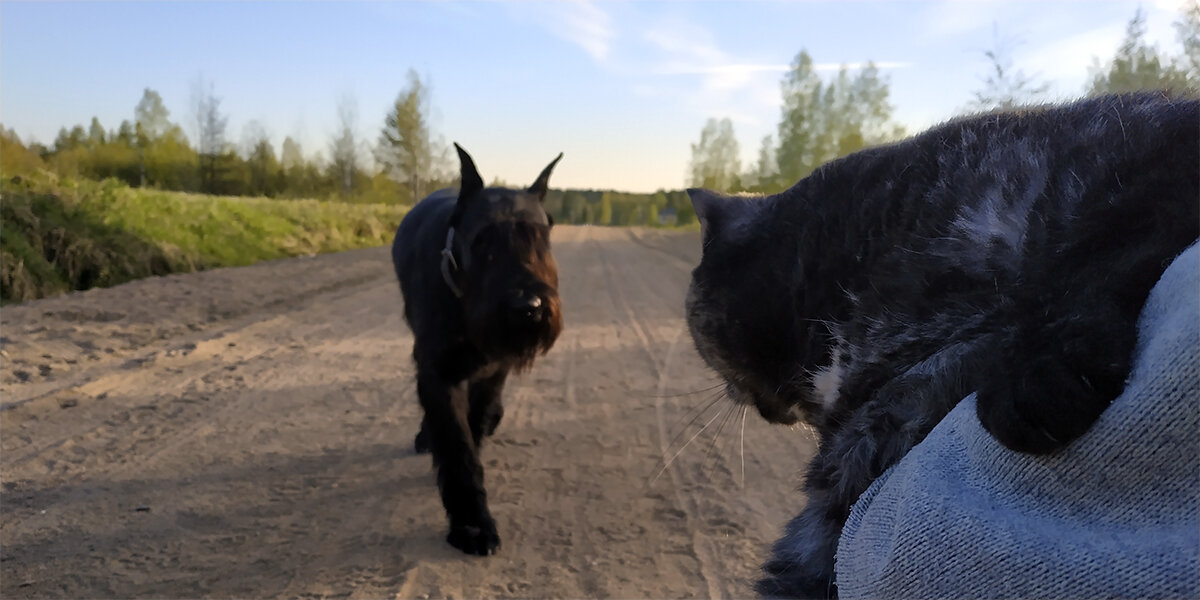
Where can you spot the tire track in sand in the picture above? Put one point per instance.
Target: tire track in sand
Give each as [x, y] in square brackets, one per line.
[701, 551]
[281, 466]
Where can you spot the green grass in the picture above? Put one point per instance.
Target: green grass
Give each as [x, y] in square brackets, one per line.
[60, 234]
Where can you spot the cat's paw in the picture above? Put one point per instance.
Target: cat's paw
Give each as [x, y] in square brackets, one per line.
[421, 443]
[1043, 404]
[480, 539]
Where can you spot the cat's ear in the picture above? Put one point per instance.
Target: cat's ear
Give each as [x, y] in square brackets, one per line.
[542, 184]
[719, 214]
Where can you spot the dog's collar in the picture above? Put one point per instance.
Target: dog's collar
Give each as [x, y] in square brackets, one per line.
[449, 265]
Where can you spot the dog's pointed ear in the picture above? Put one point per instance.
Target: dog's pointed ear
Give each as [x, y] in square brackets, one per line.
[719, 214]
[542, 185]
[471, 183]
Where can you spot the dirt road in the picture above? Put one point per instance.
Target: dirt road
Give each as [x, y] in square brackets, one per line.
[248, 433]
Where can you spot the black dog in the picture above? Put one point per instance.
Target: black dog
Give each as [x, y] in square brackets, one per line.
[480, 295]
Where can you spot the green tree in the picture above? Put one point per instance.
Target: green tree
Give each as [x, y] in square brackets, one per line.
[151, 123]
[763, 177]
[606, 209]
[15, 157]
[210, 134]
[291, 155]
[69, 140]
[406, 149]
[344, 168]
[107, 157]
[1138, 65]
[1005, 86]
[821, 122]
[1187, 30]
[262, 170]
[126, 134]
[96, 134]
[152, 115]
[715, 158]
[799, 126]
[380, 189]
[573, 208]
[684, 213]
[171, 162]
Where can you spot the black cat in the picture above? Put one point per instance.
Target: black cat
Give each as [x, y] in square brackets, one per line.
[1007, 254]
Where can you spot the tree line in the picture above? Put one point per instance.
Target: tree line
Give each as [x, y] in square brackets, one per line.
[823, 120]
[406, 162]
[199, 155]
[820, 120]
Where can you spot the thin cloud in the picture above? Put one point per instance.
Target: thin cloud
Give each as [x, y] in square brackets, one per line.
[689, 49]
[721, 69]
[684, 40]
[951, 18]
[883, 64]
[1067, 62]
[585, 24]
[747, 68]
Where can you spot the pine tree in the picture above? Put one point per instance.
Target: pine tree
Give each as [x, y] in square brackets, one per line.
[1138, 66]
[96, 135]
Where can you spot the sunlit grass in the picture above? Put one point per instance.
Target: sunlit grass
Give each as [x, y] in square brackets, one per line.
[62, 234]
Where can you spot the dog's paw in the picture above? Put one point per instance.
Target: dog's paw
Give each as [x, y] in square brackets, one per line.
[491, 422]
[480, 540]
[421, 443]
[1040, 406]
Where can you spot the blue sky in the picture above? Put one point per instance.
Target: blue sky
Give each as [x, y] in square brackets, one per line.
[622, 88]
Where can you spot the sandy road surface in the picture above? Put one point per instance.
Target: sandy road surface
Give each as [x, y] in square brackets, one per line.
[248, 433]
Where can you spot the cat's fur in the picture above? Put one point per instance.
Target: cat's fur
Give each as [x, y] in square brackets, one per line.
[1007, 254]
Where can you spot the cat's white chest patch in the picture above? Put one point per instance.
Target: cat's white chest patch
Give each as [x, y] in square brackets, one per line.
[828, 380]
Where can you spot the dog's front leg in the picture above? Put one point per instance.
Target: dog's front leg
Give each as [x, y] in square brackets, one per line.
[486, 409]
[460, 474]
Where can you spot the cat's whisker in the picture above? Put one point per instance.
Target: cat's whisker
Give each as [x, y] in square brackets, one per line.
[728, 448]
[696, 414]
[681, 449]
[720, 429]
[742, 483]
[681, 394]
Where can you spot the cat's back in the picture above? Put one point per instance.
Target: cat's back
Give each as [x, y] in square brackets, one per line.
[1002, 174]
[1101, 131]
[978, 194]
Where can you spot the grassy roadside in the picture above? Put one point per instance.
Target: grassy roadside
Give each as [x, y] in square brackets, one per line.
[58, 234]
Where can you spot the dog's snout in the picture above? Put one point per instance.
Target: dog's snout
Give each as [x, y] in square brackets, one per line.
[526, 307]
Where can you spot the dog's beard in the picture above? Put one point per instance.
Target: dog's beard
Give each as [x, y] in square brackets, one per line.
[517, 344]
